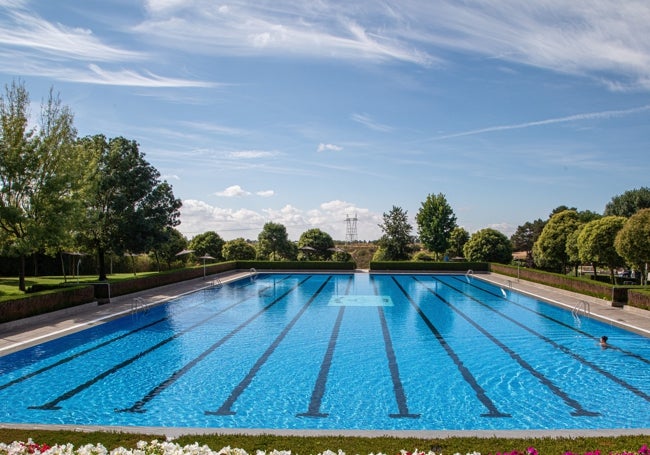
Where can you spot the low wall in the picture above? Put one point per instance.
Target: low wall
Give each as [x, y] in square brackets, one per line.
[638, 299]
[618, 295]
[34, 305]
[426, 266]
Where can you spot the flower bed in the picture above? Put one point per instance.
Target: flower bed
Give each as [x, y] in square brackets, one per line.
[156, 447]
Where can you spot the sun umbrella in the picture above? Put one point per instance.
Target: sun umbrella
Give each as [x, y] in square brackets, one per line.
[182, 252]
[204, 257]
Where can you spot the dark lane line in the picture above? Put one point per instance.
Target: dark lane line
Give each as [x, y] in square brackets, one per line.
[558, 346]
[81, 353]
[225, 408]
[53, 405]
[393, 367]
[563, 324]
[578, 409]
[153, 393]
[321, 381]
[466, 374]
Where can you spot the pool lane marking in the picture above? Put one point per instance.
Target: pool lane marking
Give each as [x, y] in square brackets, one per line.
[398, 388]
[393, 367]
[94, 348]
[53, 405]
[493, 411]
[226, 407]
[578, 409]
[558, 346]
[564, 324]
[153, 393]
[321, 380]
[77, 355]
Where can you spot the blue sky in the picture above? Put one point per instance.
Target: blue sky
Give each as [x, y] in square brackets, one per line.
[306, 113]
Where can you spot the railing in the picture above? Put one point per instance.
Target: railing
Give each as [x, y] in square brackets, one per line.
[583, 308]
[253, 274]
[468, 274]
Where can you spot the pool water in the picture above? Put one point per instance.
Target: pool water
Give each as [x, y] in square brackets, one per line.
[338, 351]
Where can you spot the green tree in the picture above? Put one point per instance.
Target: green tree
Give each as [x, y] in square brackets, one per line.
[628, 203]
[596, 243]
[572, 250]
[436, 221]
[208, 243]
[457, 240]
[128, 208]
[488, 245]
[549, 251]
[633, 241]
[173, 242]
[525, 237]
[395, 243]
[238, 250]
[320, 241]
[39, 175]
[273, 243]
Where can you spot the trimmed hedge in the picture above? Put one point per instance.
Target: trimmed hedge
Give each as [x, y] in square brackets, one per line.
[295, 265]
[618, 295]
[430, 266]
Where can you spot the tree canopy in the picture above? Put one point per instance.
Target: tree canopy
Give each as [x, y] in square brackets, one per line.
[488, 245]
[274, 243]
[596, 242]
[128, 208]
[628, 203]
[633, 240]
[549, 251]
[238, 250]
[436, 221]
[207, 243]
[39, 175]
[397, 240]
[321, 242]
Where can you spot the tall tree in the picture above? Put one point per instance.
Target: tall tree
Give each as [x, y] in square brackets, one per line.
[549, 251]
[525, 237]
[209, 243]
[457, 240]
[38, 175]
[488, 245]
[596, 243]
[436, 221]
[321, 242]
[633, 242]
[628, 203]
[128, 208]
[273, 243]
[238, 249]
[396, 242]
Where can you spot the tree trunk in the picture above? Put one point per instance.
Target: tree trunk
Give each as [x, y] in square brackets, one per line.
[21, 273]
[102, 265]
[594, 274]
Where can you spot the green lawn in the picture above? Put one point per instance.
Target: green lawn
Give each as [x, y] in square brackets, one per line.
[9, 285]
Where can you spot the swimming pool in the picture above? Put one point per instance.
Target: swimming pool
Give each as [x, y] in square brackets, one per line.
[338, 351]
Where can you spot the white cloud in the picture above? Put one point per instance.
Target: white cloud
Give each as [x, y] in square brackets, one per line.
[233, 191]
[329, 147]
[266, 193]
[198, 217]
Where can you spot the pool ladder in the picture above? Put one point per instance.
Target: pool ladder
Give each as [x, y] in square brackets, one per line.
[216, 283]
[581, 308]
[253, 274]
[139, 307]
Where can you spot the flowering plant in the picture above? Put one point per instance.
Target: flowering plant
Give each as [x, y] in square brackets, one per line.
[156, 447]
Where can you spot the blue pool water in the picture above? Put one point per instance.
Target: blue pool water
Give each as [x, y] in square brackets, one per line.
[341, 351]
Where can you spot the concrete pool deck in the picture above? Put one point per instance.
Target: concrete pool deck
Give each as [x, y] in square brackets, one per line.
[18, 335]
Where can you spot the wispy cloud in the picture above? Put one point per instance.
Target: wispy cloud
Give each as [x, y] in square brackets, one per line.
[250, 154]
[570, 118]
[329, 147]
[367, 121]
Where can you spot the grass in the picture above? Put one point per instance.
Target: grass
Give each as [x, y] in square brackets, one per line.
[9, 285]
[350, 445]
